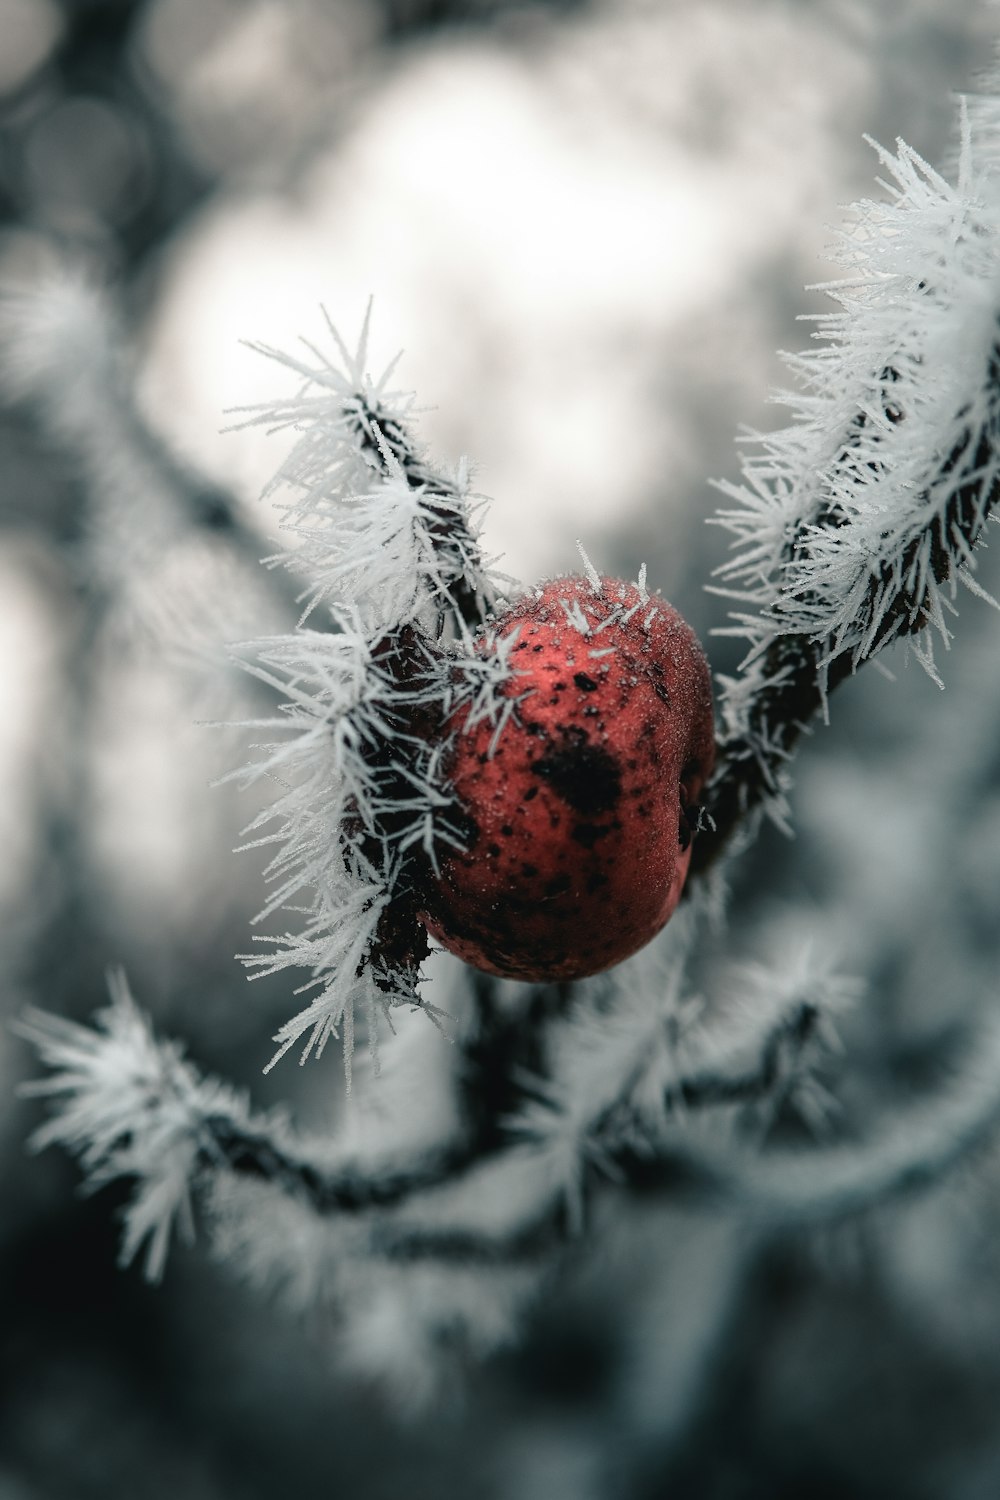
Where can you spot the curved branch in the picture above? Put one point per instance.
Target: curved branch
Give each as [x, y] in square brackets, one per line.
[912, 1152]
[781, 691]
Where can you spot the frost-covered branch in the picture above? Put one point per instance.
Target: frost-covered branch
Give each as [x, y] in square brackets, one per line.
[380, 528]
[391, 549]
[908, 1152]
[856, 524]
[132, 1107]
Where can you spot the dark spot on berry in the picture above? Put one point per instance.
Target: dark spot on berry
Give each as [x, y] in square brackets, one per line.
[594, 883]
[591, 712]
[558, 886]
[529, 870]
[584, 683]
[507, 829]
[557, 687]
[535, 729]
[587, 834]
[660, 690]
[531, 794]
[534, 648]
[582, 774]
[493, 851]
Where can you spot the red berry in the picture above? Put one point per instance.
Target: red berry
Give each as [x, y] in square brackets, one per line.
[579, 813]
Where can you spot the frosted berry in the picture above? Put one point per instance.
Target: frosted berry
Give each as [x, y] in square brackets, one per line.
[578, 817]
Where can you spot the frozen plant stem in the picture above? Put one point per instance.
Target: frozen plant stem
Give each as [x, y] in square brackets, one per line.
[400, 944]
[394, 562]
[133, 1106]
[856, 523]
[798, 673]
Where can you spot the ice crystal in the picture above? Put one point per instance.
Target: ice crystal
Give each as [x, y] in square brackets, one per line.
[128, 1106]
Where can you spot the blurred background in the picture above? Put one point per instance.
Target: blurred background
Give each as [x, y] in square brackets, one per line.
[589, 227]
